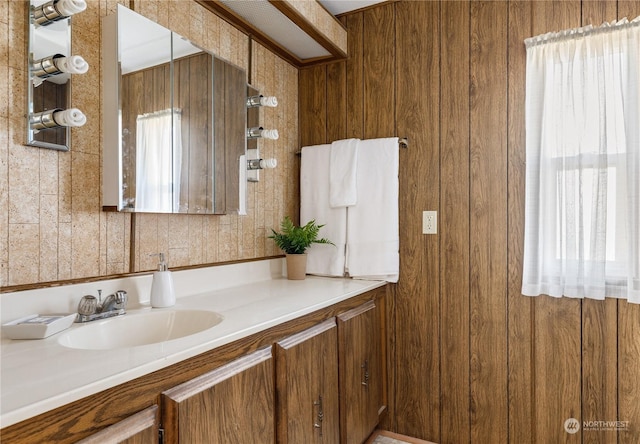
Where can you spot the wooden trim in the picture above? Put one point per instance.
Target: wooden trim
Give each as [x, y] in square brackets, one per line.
[308, 27]
[126, 428]
[293, 340]
[236, 400]
[371, 305]
[317, 61]
[190, 388]
[364, 9]
[386, 302]
[24, 287]
[254, 33]
[257, 35]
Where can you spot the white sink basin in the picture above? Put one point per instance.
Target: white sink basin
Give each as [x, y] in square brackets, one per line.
[133, 330]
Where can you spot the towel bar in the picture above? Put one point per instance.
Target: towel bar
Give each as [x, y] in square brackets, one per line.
[402, 143]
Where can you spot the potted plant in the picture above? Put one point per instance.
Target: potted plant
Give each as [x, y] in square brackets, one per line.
[294, 241]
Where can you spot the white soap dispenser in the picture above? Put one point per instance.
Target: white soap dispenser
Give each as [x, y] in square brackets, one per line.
[162, 292]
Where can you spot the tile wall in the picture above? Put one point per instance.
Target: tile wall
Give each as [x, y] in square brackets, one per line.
[52, 227]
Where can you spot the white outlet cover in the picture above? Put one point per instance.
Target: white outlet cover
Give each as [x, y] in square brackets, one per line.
[429, 222]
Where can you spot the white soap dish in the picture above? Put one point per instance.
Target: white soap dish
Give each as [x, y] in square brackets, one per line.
[37, 326]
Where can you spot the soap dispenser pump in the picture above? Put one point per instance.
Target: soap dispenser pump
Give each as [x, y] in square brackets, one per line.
[162, 292]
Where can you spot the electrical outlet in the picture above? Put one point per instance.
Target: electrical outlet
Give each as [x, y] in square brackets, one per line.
[429, 222]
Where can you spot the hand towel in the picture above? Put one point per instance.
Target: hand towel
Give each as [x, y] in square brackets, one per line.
[322, 259]
[373, 225]
[342, 173]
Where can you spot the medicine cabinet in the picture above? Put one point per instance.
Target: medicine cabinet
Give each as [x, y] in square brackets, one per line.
[174, 121]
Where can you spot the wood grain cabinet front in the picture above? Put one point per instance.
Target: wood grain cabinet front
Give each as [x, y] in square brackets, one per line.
[307, 386]
[330, 380]
[233, 404]
[361, 375]
[140, 428]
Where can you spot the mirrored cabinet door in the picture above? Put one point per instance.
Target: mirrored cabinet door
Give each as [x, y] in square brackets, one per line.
[175, 131]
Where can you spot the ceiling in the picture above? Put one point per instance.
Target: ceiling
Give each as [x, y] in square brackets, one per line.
[337, 7]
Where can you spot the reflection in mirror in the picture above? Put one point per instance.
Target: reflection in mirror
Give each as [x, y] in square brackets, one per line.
[181, 126]
[50, 66]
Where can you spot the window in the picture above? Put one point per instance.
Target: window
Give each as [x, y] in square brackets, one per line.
[582, 211]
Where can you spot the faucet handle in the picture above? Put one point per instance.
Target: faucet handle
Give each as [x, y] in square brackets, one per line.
[88, 305]
[121, 298]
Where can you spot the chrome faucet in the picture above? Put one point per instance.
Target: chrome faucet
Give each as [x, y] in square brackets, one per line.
[91, 308]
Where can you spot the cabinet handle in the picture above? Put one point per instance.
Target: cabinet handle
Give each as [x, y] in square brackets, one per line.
[365, 373]
[320, 416]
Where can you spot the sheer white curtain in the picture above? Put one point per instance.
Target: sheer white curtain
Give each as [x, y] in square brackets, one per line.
[582, 212]
[158, 161]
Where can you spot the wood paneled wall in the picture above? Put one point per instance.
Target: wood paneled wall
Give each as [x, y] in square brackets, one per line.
[475, 361]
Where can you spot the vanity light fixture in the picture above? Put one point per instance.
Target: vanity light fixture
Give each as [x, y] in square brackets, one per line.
[261, 164]
[260, 100]
[50, 66]
[58, 64]
[259, 132]
[55, 10]
[56, 118]
[255, 164]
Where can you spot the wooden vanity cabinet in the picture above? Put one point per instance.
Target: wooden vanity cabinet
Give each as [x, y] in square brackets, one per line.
[233, 404]
[307, 386]
[257, 389]
[361, 376]
[336, 366]
[140, 428]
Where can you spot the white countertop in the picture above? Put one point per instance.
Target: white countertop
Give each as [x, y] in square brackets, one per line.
[40, 375]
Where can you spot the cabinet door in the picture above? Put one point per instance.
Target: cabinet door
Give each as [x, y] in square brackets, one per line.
[141, 428]
[233, 404]
[361, 377]
[307, 386]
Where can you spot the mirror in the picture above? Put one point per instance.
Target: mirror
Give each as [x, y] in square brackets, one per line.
[50, 65]
[175, 122]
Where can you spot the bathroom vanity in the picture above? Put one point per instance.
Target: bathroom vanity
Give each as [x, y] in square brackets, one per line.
[290, 361]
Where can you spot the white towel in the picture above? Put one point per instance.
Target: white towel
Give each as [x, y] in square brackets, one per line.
[372, 225]
[322, 259]
[342, 173]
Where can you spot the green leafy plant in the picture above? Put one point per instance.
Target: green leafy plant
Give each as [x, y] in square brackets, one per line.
[294, 239]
